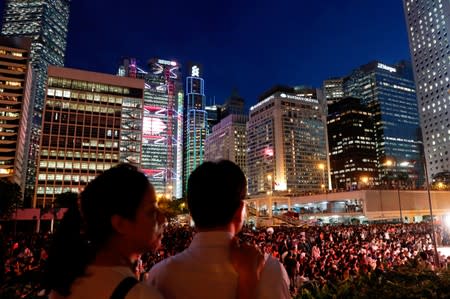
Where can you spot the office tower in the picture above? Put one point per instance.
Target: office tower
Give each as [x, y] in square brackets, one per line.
[196, 120]
[333, 90]
[235, 104]
[389, 93]
[228, 140]
[16, 86]
[91, 122]
[212, 116]
[428, 25]
[351, 139]
[45, 22]
[286, 142]
[162, 139]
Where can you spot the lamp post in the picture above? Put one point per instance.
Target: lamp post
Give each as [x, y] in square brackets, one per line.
[389, 163]
[270, 192]
[433, 234]
[322, 183]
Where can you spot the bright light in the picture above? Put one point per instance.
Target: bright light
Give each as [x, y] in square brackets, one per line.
[388, 163]
[269, 177]
[364, 179]
[268, 152]
[321, 166]
[447, 220]
[441, 185]
[404, 164]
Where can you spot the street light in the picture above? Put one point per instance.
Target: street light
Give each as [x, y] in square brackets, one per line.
[364, 180]
[321, 166]
[389, 163]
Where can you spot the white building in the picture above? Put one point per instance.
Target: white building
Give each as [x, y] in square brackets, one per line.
[428, 25]
[286, 141]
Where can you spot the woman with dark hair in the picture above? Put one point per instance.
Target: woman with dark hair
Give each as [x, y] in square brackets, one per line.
[97, 243]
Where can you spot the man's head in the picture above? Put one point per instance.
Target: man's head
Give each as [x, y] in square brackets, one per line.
[215, 195]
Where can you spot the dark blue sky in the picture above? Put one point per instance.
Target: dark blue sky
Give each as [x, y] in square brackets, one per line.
[247, 44]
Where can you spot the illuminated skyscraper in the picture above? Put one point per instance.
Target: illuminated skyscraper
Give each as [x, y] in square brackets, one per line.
[196, 120]
[228, 141]
[333, 90]
[91, 122]
[389, 93]
[162, 142]
[45, 22]
[428, 25]
[286, 142]
[16, 85]
[351, 136]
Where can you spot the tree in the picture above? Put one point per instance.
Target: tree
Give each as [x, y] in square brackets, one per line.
[172, 208]
[10, 198]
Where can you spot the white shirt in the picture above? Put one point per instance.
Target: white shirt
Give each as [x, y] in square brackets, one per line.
[100, 283]
[204, 271]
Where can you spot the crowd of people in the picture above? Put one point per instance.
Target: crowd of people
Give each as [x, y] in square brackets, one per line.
[315, 253]
[115, 242]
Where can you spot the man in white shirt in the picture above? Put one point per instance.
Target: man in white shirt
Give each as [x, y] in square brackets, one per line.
[215, 198]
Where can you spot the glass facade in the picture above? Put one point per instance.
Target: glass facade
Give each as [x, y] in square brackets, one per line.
[88, 127]
[428, 25]
[389, 93]
[45, 22]
[286, 143]
[351, 139]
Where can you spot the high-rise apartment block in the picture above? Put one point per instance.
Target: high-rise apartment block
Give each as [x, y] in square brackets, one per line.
[389, 94]
[16, 86]
[91, 122]
[351, 139]
[428, 25]
[228, 140]
[45, 22]
[162, 139]
[286, 141]
[196, 120]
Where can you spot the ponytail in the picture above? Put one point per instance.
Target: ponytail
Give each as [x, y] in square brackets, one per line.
[68, 254]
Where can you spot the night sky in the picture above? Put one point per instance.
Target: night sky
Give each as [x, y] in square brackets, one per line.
[250, 45]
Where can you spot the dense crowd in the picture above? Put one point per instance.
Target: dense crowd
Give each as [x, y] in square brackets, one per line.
[315, 253]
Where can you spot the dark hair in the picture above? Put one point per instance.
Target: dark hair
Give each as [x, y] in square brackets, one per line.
[214, 193]
[117, 191]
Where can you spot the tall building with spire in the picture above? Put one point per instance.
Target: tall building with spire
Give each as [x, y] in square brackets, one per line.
[428, 25]
[196, 124]
[45, 22]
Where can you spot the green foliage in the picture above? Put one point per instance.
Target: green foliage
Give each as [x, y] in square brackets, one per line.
[172, 208]
[404, 282]
[10, 198]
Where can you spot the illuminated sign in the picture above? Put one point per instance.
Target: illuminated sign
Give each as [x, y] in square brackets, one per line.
[167, 62]
[386, 67]
[292, 97]
[195, 71]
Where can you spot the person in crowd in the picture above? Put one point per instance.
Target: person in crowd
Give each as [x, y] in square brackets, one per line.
[95, 247]
[215, 195]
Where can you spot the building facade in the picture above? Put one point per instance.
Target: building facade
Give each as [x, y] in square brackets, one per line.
[389, 93]
[333, 90]
[16, 86]
[91, 122]
[428, 26]
[228, 140]
[45, 22]
[286, 142]
[352, 147]
[196, 124]
[162, 138]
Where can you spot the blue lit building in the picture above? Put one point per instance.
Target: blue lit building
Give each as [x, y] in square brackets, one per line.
[196, 120]
[389, 93]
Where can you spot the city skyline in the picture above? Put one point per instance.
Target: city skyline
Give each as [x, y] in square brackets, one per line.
[234, 40]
